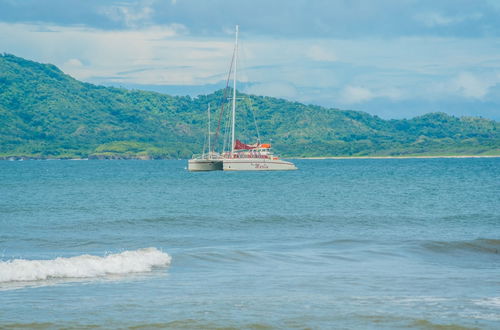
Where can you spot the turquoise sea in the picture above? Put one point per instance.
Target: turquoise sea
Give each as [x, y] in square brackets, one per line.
[338, 244]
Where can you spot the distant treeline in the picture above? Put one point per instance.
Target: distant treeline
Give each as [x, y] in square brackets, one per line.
[45, 113]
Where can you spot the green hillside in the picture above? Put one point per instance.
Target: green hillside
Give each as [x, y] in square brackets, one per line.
[45, 113]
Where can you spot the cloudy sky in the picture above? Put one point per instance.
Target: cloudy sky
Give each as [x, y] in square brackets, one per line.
[392, 58]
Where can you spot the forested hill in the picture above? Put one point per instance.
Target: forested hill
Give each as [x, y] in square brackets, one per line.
[45, 113]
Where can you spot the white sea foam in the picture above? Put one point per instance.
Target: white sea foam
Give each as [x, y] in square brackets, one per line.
[84, 266]
[489, 302]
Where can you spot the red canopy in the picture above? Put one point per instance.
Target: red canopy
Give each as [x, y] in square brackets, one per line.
[238, 145]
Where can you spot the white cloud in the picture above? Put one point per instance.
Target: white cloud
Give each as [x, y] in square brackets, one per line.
[73, 62]
[433, 19]
[354, 94]
[465, 85]
[394, 69]
[470, 86]
[151, 55]
[131, 15]
[75, 68]
[393, 93]
[318, 53]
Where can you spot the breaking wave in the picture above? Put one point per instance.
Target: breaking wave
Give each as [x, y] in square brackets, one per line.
[84, 266]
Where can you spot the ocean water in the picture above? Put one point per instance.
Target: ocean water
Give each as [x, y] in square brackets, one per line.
[344, 244]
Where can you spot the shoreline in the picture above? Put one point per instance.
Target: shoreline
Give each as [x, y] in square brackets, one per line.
[399, 157]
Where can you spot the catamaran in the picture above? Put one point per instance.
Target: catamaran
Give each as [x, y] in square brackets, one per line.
[241, 157]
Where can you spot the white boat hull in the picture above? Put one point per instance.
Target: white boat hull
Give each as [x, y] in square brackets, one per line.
[257, 164]
[201, 165]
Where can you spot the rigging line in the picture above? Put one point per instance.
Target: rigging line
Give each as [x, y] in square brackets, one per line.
[224, 131]
[224, 97]
[225, 141]
[204, 145]
[227, 131]
[255, 121]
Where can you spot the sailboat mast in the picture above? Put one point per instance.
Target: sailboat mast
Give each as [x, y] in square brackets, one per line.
[234, 90]
[209, 150]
